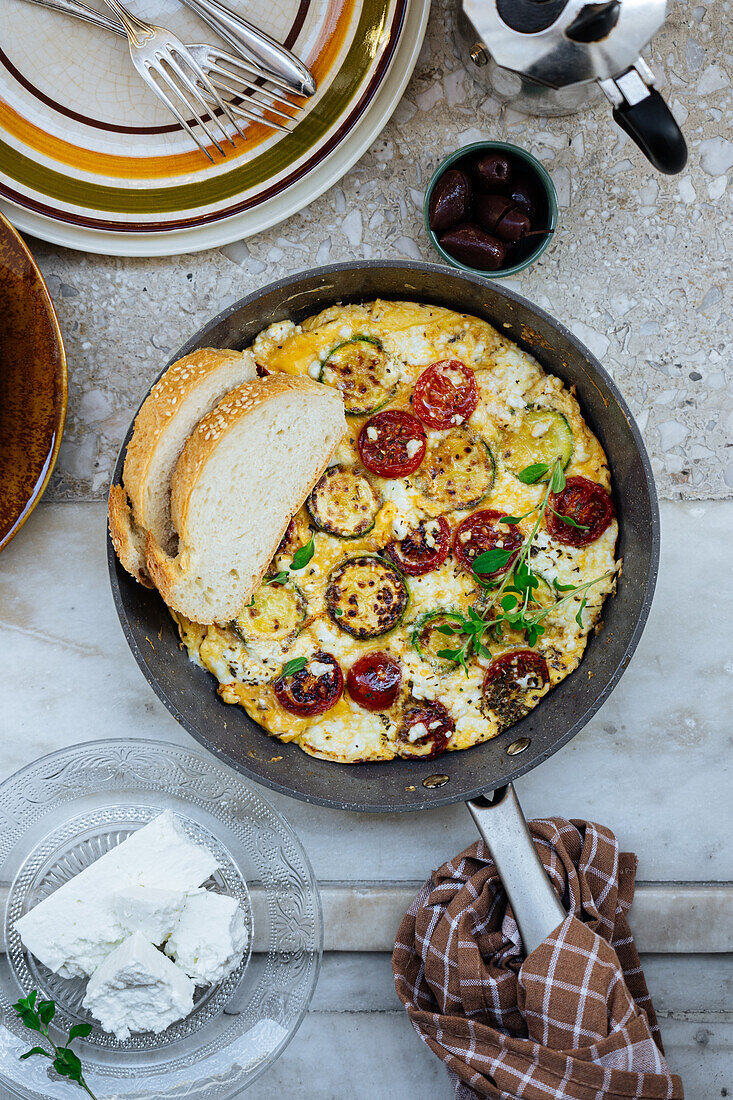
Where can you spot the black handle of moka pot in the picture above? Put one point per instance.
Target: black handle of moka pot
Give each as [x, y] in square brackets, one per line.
[650, 124]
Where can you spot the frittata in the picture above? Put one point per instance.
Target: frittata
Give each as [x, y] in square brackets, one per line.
[446, 571]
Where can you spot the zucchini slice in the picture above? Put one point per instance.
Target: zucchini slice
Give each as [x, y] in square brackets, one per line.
[276, 614]
[344, 503]
[427, 641]
[360, 370]
[457, 471]
[366, 596]
[541, 435]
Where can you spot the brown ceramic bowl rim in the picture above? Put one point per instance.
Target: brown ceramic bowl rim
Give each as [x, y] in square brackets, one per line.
[61, 371]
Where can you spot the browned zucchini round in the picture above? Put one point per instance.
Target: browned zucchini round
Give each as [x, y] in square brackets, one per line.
[457, 471]
[360, 370]
[366, 596]
[344, 503]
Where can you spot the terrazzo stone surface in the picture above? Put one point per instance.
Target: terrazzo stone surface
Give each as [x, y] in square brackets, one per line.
[638, 269]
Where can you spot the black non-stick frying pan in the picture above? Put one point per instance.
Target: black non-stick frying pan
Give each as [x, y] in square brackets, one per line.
[190, 693]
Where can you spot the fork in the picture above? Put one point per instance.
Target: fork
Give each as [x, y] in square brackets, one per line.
[227, 73]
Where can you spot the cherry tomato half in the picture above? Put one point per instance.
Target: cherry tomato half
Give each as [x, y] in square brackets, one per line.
[445, 394]
[374, 681]
[586, 503]
[426, 730]
[481, 532]
[313, 689]
[392, 443]
[509, 678]
[423, 548]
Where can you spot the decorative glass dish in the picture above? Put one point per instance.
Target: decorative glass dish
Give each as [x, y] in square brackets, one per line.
[61, 813]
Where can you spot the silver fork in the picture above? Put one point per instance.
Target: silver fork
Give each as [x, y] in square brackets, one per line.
[166, 65]
[229, 74]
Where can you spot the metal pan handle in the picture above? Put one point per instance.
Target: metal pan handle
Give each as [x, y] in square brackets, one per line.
[503, 827]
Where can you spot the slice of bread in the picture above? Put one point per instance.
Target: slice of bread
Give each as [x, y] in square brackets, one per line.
[244, 472]
[188, 390]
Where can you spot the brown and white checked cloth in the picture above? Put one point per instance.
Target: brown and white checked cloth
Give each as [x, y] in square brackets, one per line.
[573, 1021]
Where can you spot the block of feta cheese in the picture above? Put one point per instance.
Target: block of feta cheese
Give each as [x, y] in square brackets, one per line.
[137, 988]
[210, 938]
[75, 928]
[149, 910]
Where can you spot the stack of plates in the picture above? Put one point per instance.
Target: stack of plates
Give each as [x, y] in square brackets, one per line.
[89, 159]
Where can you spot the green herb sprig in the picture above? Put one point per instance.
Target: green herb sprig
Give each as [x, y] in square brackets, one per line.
[37, 1015]
[301, 558]
[508, 603]
[296, 665]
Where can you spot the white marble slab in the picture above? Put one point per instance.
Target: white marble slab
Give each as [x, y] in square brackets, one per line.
[654, 764]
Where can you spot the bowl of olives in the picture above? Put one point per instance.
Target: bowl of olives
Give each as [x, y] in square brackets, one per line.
[490, 209]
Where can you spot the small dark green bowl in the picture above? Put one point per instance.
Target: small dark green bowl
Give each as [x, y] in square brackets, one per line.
[547, 218]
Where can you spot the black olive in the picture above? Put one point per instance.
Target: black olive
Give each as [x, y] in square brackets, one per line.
[490, 209]
[450, 200]
[494, 171]
[525, 192]
[473, 246]
[514, 225]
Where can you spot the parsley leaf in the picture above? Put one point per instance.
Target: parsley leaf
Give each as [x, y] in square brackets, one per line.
[530, 474]
[581, 609]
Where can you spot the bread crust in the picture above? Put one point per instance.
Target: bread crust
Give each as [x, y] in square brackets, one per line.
[127, 538]
[158, 410]
[242, 402]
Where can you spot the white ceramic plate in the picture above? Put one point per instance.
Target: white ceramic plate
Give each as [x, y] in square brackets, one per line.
[213, 228]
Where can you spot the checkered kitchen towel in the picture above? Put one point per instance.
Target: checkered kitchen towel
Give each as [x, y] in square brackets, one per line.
[573, 1021]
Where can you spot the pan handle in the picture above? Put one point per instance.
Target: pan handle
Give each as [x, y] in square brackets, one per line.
[537, 909]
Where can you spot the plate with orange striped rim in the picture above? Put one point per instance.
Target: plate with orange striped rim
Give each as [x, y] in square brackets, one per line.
[89, 158]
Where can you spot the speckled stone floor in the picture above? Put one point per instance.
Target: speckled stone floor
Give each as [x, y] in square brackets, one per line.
[638, 269]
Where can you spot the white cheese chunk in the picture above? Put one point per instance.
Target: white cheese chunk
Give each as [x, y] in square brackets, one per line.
[417, 731]
[210, 938]
[137, 988]
[148, 910]
[73, 929]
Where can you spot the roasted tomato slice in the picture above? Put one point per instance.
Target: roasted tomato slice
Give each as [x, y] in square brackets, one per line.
[392, 443]
[584, 502]
[423, 548]
[481, 532]
[374, 681]
[313, 689]
[445, 394]
[508, 681]
[425, 730]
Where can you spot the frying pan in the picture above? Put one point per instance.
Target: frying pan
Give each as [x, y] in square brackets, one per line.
[189, 692]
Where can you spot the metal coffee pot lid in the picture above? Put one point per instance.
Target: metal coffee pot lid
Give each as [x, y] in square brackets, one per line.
[562, 42]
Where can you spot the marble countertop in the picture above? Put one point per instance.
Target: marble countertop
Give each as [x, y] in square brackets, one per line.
[639, 271]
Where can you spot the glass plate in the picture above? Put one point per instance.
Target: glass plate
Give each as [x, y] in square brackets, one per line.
[60, 814]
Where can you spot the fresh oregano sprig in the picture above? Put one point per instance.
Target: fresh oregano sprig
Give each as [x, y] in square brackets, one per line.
[516, 590]
[301, 558]
[37, 1015]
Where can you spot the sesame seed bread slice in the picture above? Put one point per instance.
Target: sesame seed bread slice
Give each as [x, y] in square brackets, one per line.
[188, 390]
[244, 472]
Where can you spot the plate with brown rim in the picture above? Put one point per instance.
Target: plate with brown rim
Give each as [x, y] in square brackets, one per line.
[89, 159]
[33, 384]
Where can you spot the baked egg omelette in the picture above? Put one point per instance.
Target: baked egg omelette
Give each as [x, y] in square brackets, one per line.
[446, 570]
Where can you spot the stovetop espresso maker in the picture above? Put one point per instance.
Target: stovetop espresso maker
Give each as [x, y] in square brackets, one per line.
[548, 57]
